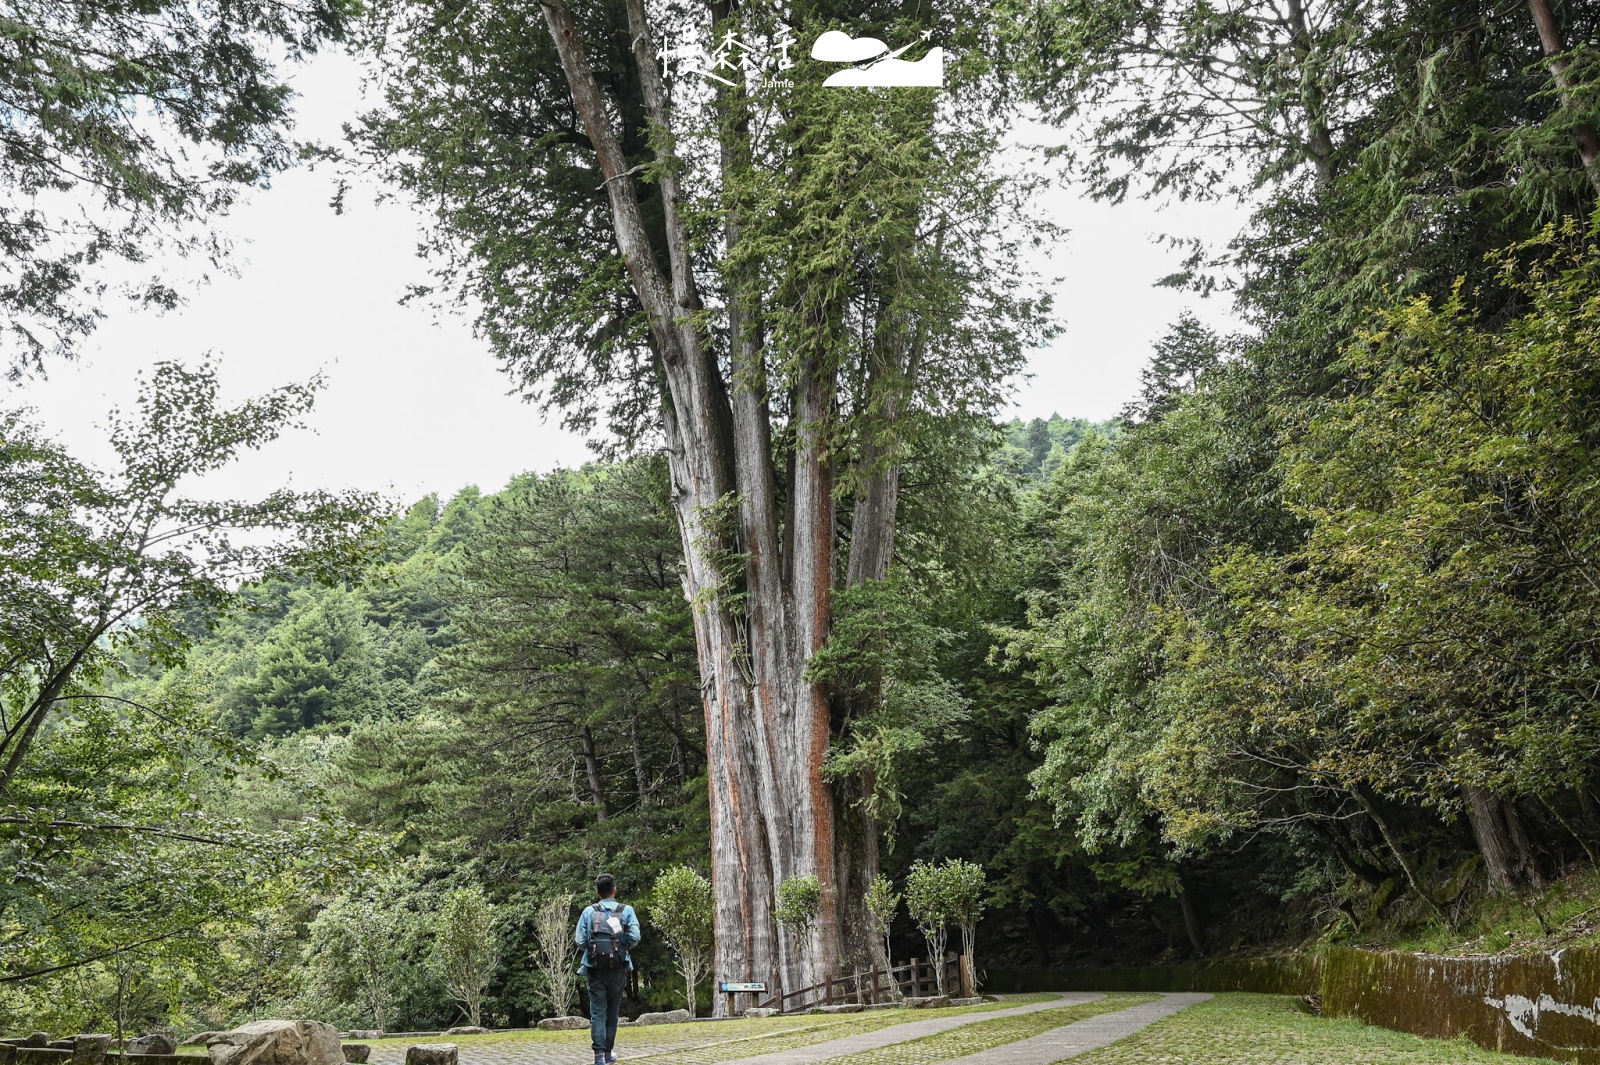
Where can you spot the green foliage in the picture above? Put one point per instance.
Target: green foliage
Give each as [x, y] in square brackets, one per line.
[931, 903]
[125, 132]
[681, 908]
[352, 957]
[883, 656]
[883, 902]
[466, 948]
[121, 860]
[799, 899]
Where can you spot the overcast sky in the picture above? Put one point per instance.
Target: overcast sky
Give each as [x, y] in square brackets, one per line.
[415, 404]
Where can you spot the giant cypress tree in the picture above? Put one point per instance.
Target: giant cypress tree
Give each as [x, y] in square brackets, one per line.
[792, 289]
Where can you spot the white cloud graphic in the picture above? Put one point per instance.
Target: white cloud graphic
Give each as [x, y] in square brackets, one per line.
[888, 69]
[837, 47]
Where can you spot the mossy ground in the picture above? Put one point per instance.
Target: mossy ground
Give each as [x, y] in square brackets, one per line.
[1565, 913]
[1236, 1029]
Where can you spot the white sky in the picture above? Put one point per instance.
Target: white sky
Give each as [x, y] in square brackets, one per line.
[416, 404]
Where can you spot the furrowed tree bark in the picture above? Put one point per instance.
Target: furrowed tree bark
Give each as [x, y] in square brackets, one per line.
[591, 768]
[759, 616]
[1554, 48]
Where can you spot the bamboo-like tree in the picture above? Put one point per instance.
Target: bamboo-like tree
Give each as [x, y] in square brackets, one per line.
[965, 884]
[883, 901]
[681, 907]
[555, 953]
[466, 950]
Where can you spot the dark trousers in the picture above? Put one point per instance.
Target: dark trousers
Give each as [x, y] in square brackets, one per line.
[605, 1006]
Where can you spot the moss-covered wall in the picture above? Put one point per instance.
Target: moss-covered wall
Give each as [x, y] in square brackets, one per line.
[1541, 1004]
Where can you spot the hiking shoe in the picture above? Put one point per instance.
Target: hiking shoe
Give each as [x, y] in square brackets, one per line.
[611, 1058]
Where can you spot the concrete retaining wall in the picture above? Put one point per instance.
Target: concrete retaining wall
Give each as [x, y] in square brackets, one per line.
[1545, 1005]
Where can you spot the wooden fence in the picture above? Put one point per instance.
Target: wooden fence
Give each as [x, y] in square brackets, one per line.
[874, 986]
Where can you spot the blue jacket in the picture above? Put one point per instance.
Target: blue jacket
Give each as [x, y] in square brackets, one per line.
[630, 926]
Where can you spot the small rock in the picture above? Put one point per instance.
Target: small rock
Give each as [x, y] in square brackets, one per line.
[467, 1029]
[356, 1053]
[366, 1033]
[846, 1007]
[154, 1043]
[564, 1024]
[977, 1001]
[669, 1017]
[432, 1054]
[759, 1011]
[90, 1049]
[925, 1002]
[200, 1039]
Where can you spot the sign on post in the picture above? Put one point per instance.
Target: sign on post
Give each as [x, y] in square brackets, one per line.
[732, 989]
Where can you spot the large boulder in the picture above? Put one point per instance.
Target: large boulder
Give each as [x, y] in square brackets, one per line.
[669, 1017]
[278, 1043]
[155, 1043]
[432, 1054]
[564, 1024]
[90, 1049]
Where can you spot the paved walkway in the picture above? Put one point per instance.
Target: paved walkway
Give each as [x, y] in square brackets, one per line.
[1080, 1038]
[900, 1033]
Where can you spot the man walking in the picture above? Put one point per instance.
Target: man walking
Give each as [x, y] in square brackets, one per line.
[607, 933]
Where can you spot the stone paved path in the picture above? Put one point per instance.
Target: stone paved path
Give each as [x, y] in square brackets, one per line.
[1080, 1038]
[900, 1033]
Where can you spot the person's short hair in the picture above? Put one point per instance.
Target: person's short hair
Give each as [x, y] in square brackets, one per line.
[606, 885]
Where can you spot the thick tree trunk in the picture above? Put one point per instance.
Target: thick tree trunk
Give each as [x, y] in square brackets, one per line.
[1554, 46]
[1507, 858]
[761, 582]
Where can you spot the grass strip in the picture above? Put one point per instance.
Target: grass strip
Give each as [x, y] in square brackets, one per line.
[986, 1035]
[1235, 1029]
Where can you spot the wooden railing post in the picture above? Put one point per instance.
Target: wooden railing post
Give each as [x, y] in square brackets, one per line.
[916, 977]
[874, 997]
[827, 990]
[964, 977]
[777, 991]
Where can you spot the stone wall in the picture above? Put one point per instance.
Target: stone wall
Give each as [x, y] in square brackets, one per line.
[1537, 1004]
[1545, 1005]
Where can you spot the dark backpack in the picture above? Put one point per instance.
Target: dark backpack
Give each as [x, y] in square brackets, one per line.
[607, 949]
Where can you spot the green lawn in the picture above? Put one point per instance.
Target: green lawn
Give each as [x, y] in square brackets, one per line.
[984, 1035]
[1269, 1030]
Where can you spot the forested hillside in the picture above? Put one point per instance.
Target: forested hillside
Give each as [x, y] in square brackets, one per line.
[1303, 648]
